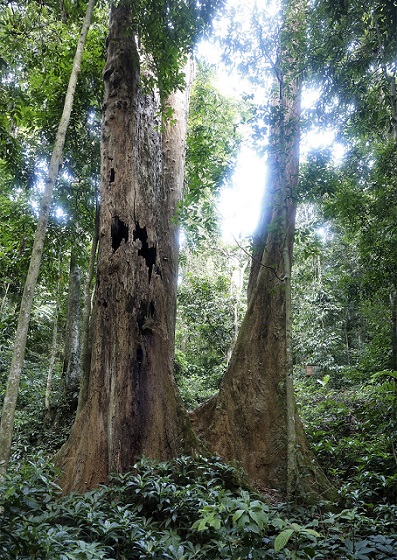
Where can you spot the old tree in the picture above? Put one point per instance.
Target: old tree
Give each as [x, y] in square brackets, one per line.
[253, 419]
[132, 407]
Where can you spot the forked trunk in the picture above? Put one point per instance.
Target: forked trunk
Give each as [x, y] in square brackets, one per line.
[133, 407]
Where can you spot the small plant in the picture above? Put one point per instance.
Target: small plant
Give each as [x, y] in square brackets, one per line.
[295, 532]
[324, 381]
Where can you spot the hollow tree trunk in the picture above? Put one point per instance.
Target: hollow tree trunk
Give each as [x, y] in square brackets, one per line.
[253, 420]
[133, 407]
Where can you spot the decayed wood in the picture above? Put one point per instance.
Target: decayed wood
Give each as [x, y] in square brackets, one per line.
[133, 407]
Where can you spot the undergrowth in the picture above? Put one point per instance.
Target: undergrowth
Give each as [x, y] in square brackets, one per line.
[353, 432]
[189, 508]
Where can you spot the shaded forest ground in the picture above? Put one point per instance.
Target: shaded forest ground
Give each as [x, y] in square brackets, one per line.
[201, 508]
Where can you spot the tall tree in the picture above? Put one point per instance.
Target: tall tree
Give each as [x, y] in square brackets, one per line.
[132, 406]
[253, 419]
[10, 399]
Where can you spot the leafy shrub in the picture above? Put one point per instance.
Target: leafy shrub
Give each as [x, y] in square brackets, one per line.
[189, 508]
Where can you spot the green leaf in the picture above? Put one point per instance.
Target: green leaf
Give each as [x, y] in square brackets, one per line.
[282, 539]
[311, 532]
[237, 514]
[380, 374]
[257, 517]
[216, 523]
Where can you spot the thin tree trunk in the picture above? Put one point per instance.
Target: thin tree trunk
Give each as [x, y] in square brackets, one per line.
[3, 301]
[71, 363]
[86, 343]
[347, 337]
[11, 395]
[237, 289]
[393, 305]
[133, 407]
[54, 343]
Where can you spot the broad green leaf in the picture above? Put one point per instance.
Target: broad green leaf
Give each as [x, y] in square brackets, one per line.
[237, 514]
[282, 539]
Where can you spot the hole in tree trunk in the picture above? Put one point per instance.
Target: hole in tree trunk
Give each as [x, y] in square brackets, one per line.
[112, 175]
[139, 355]
[119, 231]
[145, 317]
[148, 253]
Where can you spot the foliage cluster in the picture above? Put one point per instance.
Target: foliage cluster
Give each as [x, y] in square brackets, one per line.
[168, 30]
[35, 427]
[37, 45]
[211, 304]
[188, 508]
[204, 336]
[353, 432]
[33, 81]
[212, 143]
[342, 309]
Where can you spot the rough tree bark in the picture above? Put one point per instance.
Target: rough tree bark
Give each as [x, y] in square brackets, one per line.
[253, 420]
[11, 395]
[133, 407]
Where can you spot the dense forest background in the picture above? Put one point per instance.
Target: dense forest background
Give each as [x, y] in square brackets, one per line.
[343, 285]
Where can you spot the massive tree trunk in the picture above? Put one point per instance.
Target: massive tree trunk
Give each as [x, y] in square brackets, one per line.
[10, 399]
[247, 421]
[133, 407]
[253, 420]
